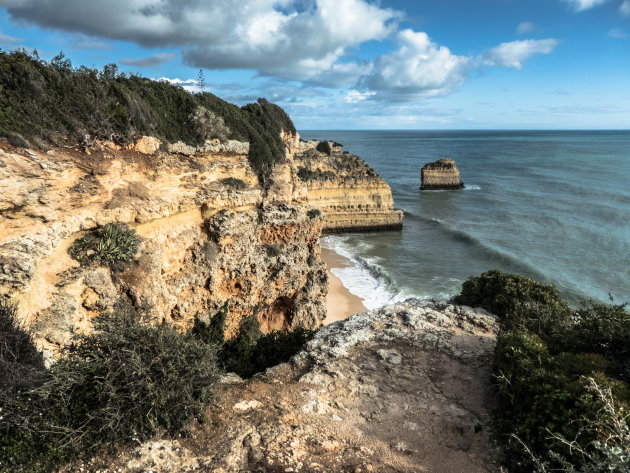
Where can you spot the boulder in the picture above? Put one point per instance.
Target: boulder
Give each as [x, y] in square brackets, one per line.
[441, 174]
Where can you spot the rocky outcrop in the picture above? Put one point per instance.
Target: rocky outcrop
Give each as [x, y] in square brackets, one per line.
[441, 174]
[405, 388]
[345, 189]
[203, 240]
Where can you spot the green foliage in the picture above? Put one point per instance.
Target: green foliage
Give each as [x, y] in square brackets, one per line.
[20, 360]
[313, 213]
[306, 174]
[251, 351]
[126, 381]
[214, 331]
[234, 182]
[55, 102]
[110, 244]
[273, 250]
[546, 353]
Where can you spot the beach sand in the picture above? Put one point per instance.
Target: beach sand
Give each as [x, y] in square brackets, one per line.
[340, 303]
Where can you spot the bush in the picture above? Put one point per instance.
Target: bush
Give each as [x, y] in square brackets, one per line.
[313, 213]
[251, 351]
[126, 381]
[113, 243]
[209, 126]
[234, 183]
[546, 353]
[20, 361]
[273, 251]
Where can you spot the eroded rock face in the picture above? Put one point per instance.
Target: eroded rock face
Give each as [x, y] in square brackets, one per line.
[350, 194]
[405, 388]
[441, 174]
[203, 242]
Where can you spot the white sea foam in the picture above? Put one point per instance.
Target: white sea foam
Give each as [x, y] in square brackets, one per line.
[362, 278]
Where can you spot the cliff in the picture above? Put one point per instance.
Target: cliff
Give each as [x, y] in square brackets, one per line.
[209, 232]
[350, 194]
[405, 388]
[441, 174]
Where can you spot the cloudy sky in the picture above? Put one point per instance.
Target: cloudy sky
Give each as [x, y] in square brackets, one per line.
[361, 64]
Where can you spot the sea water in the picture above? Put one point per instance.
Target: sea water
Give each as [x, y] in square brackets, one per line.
[550, 205]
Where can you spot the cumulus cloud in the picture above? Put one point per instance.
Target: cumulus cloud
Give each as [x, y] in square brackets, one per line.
[625, 8]
[581, 5]
[292, 38]
[150, 61]
[525, 27]
[515, 53]
[419, 67]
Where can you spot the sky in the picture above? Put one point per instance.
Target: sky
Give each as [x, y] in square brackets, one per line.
[360, 64]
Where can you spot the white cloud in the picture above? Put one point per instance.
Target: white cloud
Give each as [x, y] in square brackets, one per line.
[355, 96]
[625, 8]
[515, 53]
[525, 27]
[6, 39]
[153, 60]
[290, 38]
[618, 33]
[581, 5]
[419, 67]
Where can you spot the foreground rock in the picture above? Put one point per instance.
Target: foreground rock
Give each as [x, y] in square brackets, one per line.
[441, 175]
[406, 388]
[349, 193]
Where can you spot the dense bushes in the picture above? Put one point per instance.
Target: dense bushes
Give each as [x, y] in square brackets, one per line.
[56, 102]
[125, 381]
[547, 359]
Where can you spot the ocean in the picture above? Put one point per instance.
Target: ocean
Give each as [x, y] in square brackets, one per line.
[550, 205]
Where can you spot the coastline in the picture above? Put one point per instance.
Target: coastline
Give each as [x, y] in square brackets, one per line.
[340, 302]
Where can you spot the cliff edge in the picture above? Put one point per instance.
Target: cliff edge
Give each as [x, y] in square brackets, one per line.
[405, 388]
[352, 196]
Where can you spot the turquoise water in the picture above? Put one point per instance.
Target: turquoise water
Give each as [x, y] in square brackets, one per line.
[551, 205]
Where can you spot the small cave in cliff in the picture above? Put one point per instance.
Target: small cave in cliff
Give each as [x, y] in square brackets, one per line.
[278, 316]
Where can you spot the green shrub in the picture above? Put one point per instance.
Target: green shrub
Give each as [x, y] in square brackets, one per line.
[20, 361]
[234, 183]
[214, 331]
[545, 354]
[125, 381]
[112, 243]
[273, 251]
[313, 213]
[51, 101]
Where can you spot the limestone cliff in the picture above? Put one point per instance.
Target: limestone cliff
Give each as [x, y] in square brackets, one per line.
[442, 174]
[405, 388]
[209, 234]
[345, 189]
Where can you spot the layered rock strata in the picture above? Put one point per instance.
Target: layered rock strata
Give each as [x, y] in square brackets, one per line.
[209, 234]
[441, 175]
[405, 388]
[345, 189]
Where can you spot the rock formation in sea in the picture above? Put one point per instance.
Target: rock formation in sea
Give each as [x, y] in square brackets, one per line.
[441, 174]
[209, 233]
[404, 388]
[349, 193]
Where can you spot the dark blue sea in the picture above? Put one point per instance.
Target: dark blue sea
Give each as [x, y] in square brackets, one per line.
[550, 205]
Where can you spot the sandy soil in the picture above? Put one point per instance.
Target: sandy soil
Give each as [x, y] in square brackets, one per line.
[340, 303]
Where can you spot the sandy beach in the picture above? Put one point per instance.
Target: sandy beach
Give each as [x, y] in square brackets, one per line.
[340, 303]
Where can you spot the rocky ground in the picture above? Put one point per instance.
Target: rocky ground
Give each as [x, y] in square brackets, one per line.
[406, 388]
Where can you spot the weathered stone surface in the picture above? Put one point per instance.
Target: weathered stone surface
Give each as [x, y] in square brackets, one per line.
[147, 145]
[350, 194]
[405, 388]
[441, 174]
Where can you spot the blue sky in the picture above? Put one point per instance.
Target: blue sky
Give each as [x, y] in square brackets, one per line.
[361, 64]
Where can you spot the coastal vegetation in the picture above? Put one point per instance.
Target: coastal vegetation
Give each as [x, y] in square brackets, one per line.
[123, 383]
[53, 102]
[110, 244]
[563, 376]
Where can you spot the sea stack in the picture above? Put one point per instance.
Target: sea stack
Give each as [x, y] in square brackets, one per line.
[439, 175]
